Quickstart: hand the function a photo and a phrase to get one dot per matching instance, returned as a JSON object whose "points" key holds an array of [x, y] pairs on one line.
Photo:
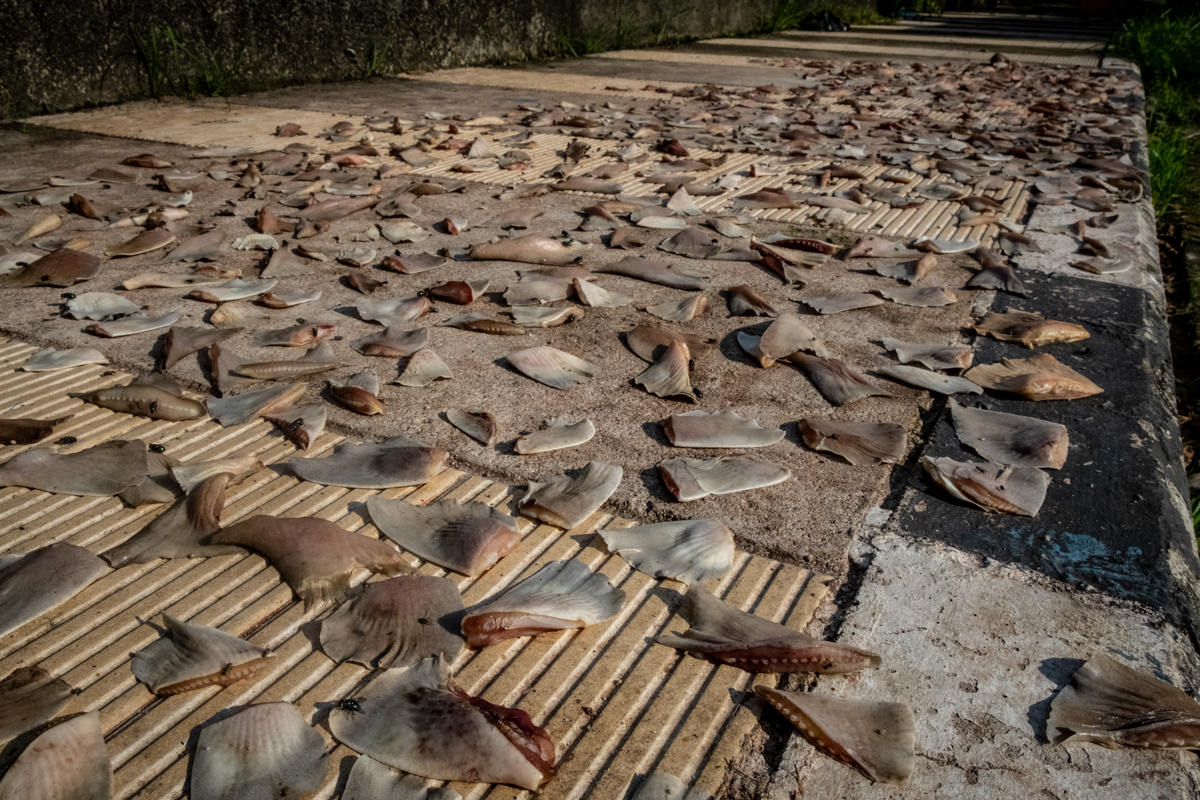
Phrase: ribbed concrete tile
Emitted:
{"points": [[615, 703]]}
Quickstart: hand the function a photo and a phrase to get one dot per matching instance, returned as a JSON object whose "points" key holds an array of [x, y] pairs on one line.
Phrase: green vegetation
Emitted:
{"points": [[1166, 46], [922, 7], [181, 69], [376, 59], [628, 31], [577, 45], [790, 13]]}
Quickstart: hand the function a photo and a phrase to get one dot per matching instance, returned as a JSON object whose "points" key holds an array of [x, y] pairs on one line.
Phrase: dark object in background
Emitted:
{"points": [[823, 21]]}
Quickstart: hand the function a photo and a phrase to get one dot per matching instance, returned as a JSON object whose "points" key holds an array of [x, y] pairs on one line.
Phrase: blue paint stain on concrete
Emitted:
{"points": [[1076, 546]]}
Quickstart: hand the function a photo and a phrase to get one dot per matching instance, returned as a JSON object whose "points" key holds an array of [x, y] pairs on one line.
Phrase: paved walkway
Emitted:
{"points": [[981, 618]]}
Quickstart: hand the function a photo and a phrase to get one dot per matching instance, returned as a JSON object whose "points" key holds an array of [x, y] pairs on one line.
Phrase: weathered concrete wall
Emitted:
{"points": [[57, 55]]}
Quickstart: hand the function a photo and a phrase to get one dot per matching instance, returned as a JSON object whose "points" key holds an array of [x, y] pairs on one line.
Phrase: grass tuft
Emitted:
{"points": [[376, 59], [790, 13], [1166, 46]]}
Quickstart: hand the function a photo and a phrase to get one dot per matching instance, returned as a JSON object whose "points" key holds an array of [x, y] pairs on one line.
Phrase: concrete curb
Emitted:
{"points": [[982, 618]]}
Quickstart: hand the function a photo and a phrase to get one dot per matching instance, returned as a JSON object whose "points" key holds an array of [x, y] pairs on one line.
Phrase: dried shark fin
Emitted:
{"points": [[920, 296], [482, 323], [182, 342], [68, 760], [595, 296], [372, 780], [1011, 438], [180, 531], [393, 313], [465, 537], [683, 550], [838, 302], [557, 435], [668, 377], [28, 431], [692, 243], [992, 487], [723, 634], [553, 367], [226, 369], [99, 306], [359, 393], [568, 502], [1115, 706], [649, 342], [929, 380], [195, 656], [1031, 330], [29, 698], [158, 486], [146, 400], [660, 272], [398, 461], [1042, 377], [531, 248], [238, 315], [424, 368], [318, 359], [63, 267], [190, 475], [417, 720], [694, 479], [997, 276], [243, 408], [562, 595], [859, 443], [476, 422], [718, 429], [144, 242], [396, 623], [46, 359], [261, 752], [392, 343], [931, 356], [133, 325], [910, 271], [296, 336], [785, 336], [877, 739], [301, 425], [683, 310], [42, 580], [105, 470], [316, 557], [837, 382], [744, 302], [872, 246]]}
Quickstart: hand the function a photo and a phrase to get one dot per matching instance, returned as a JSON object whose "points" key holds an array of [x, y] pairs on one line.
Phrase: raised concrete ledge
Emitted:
{"points": [[978, 648], [982, 618]]}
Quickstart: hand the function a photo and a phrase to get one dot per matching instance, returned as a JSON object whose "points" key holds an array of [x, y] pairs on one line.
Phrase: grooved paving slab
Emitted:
{"points": [[616, 704], [209, 123], [911, 49]]}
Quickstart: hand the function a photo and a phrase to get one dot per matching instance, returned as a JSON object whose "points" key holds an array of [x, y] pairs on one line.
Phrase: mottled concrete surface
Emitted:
{"points": [[980, 618], [60, 56]]}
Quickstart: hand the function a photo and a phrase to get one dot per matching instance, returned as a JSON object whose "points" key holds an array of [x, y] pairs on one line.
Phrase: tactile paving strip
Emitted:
{"points": [[908, 49], [616, 704], [208, 124]]}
